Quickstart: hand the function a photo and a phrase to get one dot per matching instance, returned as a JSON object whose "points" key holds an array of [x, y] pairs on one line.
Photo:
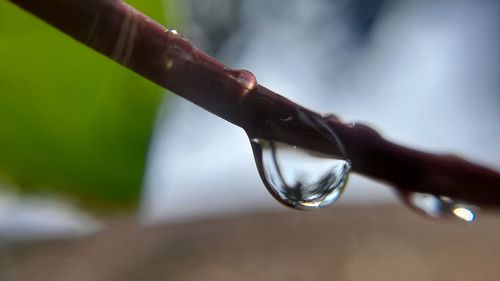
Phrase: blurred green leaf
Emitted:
{"points": [[71, 120]]}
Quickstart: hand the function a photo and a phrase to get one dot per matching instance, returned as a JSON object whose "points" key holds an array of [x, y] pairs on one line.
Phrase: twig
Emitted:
{"points": [[122, 33]]}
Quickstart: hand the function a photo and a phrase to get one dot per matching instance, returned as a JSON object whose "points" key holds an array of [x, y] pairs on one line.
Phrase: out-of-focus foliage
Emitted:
{"points": [[71, 120]]}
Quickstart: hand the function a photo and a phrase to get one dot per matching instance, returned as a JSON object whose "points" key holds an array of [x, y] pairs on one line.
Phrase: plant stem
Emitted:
{"points": [[120, 32]]}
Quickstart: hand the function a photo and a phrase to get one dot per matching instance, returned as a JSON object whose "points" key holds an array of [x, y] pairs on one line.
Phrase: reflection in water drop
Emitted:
{"points": [[300, 178], [297, 177], [440, 206]]}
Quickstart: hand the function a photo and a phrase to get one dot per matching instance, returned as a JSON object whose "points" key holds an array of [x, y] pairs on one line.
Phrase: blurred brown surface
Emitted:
{"points": [[376, 243]]}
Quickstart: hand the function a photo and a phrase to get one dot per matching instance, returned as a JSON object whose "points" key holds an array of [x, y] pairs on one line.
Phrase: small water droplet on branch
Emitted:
{"points": [[172, 31], [436, 206]]}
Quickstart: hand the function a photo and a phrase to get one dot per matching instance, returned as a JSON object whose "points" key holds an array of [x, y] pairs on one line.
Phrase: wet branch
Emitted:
{"points": [[127, 36]]}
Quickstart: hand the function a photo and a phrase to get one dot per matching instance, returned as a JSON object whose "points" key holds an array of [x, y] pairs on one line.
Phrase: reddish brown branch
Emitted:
{"points": [[135, 41]]}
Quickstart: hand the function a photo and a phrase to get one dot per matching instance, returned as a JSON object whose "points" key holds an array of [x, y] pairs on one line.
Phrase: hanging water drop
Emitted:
{"points": [[440, 206], [301, 178]]}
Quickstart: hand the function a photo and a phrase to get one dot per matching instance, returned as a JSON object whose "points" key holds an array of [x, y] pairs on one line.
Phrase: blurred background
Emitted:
{"points": [[105, 176]]}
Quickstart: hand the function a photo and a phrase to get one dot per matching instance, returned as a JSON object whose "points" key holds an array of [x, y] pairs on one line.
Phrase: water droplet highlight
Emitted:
{"points": [[465, 214], [301, 178], [170, 30], [436, 206]]}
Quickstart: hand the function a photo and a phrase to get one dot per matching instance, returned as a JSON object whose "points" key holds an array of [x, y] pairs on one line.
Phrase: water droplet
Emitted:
{"points": [[170, 30], [436, 206], [301, 178], [246, 79]]}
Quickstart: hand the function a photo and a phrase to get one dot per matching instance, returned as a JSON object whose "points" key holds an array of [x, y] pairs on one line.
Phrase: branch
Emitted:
{"points": [[130, 38]]}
